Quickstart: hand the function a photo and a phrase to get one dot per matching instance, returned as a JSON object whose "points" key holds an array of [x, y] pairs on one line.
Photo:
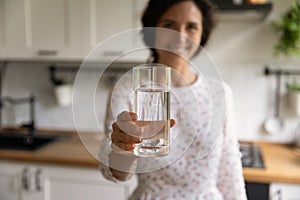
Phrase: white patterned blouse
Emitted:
{"points": [[204, 162]]}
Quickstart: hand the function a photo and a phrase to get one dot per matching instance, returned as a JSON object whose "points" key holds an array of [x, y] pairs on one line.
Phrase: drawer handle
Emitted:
{"points": [[112, 53], [38, 184], [24, 178], [45, 52], [279, 194]]}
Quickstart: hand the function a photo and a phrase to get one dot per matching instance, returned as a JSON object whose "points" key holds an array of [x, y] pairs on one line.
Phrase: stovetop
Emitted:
{"points": [[251, 156]]}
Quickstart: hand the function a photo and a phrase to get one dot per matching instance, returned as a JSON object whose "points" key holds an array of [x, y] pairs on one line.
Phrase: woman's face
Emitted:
{"points": [[185, 21]]}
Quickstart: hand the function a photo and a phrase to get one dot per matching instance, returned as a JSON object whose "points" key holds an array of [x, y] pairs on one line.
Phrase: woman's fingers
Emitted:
{"points": [[126, 121], [126, 131], [119, 136], [124, 146], [115, 127], [121, 140]]}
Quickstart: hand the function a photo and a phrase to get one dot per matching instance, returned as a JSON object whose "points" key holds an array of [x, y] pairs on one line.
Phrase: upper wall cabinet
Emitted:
{"points": [[107, 19], [64, 29], [40, 28], [110, 17], [12, 27]]}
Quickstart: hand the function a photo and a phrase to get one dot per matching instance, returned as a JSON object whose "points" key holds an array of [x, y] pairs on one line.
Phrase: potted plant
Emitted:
{"points": [[293, 89], [288, 28], [288, 44]]}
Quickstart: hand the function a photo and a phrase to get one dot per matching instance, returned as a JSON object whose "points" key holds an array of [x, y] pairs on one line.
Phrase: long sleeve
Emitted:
{"points": [[117, 103], [103, 166], [105, 150], [230, 178]]}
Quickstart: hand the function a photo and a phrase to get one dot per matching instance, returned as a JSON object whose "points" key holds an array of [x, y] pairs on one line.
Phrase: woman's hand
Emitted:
{"points": [[120, 139], [123, 164], [124, 139], [126, 132]]}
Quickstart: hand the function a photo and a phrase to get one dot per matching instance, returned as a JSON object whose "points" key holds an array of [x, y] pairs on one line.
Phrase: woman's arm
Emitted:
{"points": [[109, 155], [230, 179], [121, 162], [125, 162]]}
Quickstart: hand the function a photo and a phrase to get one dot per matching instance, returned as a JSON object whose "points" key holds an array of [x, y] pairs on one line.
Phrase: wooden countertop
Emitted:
{"points": [[68, 151], [281, 161], [282, 164]]}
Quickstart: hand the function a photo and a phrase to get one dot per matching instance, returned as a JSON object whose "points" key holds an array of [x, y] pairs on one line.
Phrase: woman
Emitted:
{"points": [[219, 174]]}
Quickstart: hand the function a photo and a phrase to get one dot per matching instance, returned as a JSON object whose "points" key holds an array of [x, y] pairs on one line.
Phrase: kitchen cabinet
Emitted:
{"points": [[108, 18], [12, 28], [284, 191], [110, 26], [10, 182], [65, 29], [40, 28], [24, 181]]}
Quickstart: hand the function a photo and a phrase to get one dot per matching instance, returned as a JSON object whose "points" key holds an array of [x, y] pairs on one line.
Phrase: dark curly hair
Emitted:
{"points": [[156, 8]]}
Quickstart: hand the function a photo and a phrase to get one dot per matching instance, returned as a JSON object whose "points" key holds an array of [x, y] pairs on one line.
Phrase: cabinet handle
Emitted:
{"points": [[46, 52], [279, 194], [38, 185], [112, 53], [24, 178]]}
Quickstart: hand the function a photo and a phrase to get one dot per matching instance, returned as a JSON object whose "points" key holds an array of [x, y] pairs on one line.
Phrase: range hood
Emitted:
{"points": [[228, 10]]}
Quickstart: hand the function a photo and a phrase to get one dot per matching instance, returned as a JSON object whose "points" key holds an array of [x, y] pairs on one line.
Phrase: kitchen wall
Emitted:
{"points": [[23, 79], [239, 48]]}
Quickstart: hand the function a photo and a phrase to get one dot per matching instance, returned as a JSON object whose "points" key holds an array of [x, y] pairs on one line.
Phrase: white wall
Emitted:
{"points": [[240, 49], [22, 79]]}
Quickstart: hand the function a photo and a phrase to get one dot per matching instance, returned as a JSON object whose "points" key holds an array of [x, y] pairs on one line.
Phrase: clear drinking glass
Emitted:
{"points": [[151, 84]]}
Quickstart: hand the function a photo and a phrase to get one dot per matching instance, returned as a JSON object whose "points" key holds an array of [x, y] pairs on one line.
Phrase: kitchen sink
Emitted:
{"points": [[23, 141], [251, 156]]}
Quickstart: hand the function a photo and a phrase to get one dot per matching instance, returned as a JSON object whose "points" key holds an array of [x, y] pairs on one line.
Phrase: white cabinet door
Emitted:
{"points": [[25, 181], [18, 182], [110, 23], [106, 19], [12, 28], [66, 28], [111, 17], [53, 27], [57, 26], [10, 186], [31, 26], [41, 28], [47, 24], [283, 191], [78, 184]]}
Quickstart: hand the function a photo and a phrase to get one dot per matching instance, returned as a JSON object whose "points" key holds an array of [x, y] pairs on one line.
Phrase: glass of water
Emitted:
{"points": [[151, 85]]}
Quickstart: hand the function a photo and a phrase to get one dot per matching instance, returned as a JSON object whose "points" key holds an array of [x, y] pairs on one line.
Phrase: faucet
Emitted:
{"points": [[31, 101]]}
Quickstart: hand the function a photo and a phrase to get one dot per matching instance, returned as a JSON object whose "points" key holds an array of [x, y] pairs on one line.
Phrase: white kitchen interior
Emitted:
{"points": [[241, 48]]}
